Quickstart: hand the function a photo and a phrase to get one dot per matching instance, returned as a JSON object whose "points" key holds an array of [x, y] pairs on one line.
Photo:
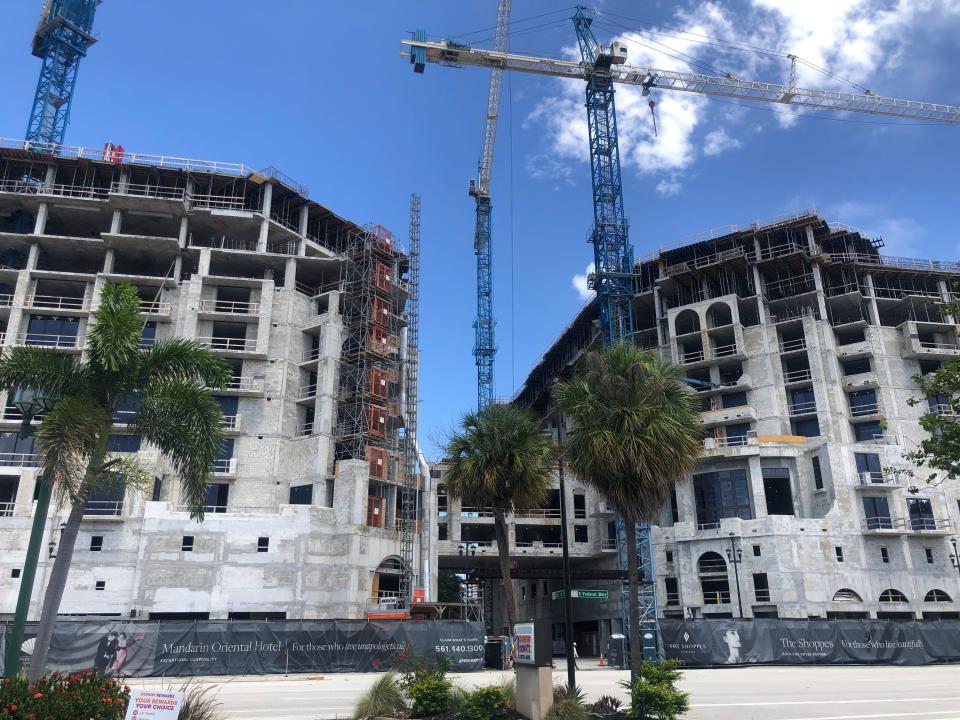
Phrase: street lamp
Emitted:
{"points": [[735, 556], [955, 557], [30, 402], [564, 540]]}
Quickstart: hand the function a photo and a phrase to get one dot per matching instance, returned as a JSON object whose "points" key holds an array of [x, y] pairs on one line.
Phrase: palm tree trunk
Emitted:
{"points": [[633, 603], [503, 550], [54, 593], [61, 566]]}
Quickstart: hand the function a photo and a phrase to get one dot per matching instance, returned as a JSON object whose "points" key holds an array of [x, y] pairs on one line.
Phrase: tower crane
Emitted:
{"points": [[602, 68], [62, 37]]}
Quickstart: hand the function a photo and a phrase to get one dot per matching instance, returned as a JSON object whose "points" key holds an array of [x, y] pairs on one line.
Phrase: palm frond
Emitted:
{"points": [[127, 467], [117, 329], [67, 437], [184, 422], [50, 371], [637, 427], [183, 359]]}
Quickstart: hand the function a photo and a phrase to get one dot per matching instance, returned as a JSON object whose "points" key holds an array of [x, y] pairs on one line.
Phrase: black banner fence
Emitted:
{"points": [[138, 649], [786, 642]]}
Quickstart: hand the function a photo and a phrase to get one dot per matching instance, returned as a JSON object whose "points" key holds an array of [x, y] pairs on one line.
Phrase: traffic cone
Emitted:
{"points": [[602, 663]]}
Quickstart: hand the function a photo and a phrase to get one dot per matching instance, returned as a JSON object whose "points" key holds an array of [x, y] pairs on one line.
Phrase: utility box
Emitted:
{"points": [[617, 651]]}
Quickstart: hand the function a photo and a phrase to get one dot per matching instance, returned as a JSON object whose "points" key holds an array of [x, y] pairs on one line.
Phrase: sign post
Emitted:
{"points": [[532, 663], [154, 705]]}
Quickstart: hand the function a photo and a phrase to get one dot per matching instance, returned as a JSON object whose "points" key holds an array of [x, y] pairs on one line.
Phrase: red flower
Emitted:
{"points": [[13, 707], [107, 700], [37, 696]]}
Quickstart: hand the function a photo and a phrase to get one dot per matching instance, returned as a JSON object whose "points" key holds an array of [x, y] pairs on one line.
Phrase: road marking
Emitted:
{"points": [[825, 702], [926, 713]]}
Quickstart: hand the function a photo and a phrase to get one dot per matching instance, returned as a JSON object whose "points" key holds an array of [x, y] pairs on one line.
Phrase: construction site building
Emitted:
{"points": [[304, 515], [802, 343]]}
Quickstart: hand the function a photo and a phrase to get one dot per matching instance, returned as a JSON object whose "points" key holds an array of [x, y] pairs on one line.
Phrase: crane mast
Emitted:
{"points": [[62, 37], [602, 69], [484, 349]]}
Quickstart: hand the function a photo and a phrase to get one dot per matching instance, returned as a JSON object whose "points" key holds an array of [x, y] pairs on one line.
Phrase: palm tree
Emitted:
{"points": [[636, 432], [500, 460], [174, 411]]}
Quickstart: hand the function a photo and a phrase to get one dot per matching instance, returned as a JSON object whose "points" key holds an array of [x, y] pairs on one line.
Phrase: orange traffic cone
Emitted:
{"points": [[602, 663]]}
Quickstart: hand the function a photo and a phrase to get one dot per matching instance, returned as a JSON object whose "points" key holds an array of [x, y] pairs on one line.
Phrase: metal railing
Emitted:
{"points": [[225, 466], [216, 202], [183, 507], [673, 599], [7, 508], [880, 523], [230, 422], [608, 545], [158, 192], [725, 350], [803, 408], [793, 376], [929, 345], [705, 260], [762, 595], [305, 429], [793, 345], [708, 526], [44, 340], [285, 222], [929, 524], [787, 248], [229, 344], [941, 408], [310, 355], [469, 511], [56, 302], [732, 441], [876, 477], [692, 357], [864, 409], [155, 308], [107, 508], [245, 384], [538, 513], [229, 307], [893, 261], [6, 300], [717, 597], [307, 392]]}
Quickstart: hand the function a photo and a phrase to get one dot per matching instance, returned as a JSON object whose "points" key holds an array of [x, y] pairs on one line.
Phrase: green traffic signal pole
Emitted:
{"points": [[11, 665]]}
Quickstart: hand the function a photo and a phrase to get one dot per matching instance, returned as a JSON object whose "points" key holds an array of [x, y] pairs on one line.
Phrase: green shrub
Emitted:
{"points": [[561, 692], [509, 687], [383, 698], [429, 694], [484, 703], [654, 694], [606, 705], [78, 695], [569, 708]]}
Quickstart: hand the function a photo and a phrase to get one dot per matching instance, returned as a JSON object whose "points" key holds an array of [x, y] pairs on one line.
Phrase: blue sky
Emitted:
{"points": [[319, 90]]}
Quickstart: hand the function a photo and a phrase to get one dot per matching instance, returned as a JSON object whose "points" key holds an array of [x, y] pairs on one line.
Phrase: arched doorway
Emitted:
{"points": [[385, 586], [714, 581]]}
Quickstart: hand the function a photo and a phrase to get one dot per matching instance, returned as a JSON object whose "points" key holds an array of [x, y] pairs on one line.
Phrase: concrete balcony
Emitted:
{"points": [[884, 525], [7, 508], [603, 509], [228, 307], [103, 509], [855, 350], [243, 385], [878, 481], [310, 357], [230, 423], [931, 526], [798, 377], [608, 545], [728, 416], [800, 409], [538, 514], [307, 392], [57, 304], [305, 429], [865, 411], [861, 381], [727, 351], [231, 345], [792, 346], [155, 309]]}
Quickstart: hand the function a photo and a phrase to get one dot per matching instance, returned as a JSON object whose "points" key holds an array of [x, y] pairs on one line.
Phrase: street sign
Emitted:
{"points": [[585, 594]]}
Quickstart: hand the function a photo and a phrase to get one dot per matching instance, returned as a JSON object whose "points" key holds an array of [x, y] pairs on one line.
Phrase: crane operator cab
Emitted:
{"points": [[616, 56]]}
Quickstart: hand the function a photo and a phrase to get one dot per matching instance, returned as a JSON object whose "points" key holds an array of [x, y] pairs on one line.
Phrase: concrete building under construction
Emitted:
{"points": [[802, 342], [315, 505]]}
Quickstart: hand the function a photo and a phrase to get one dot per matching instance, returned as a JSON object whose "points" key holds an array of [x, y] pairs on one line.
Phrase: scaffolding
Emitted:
{"points": [[411, 367]]}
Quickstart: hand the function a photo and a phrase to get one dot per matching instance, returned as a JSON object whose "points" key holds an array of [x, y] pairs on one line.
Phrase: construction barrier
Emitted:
{"points": [[261, 647], [739, 642]]}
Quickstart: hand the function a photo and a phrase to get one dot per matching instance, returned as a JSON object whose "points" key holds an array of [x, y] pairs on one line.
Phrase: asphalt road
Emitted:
{"points": [[746, 693]]}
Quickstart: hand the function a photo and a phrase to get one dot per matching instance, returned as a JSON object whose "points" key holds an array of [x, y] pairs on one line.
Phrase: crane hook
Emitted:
{"points": [[652, 105]]}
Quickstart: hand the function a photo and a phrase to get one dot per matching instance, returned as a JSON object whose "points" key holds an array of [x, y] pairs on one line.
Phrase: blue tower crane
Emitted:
{"points": [[62, 38], [613, 276]]}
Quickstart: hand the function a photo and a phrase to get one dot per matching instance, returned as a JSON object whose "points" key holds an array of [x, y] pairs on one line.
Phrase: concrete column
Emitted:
{"points": [[108, 261], [40, 225], [758, 285], [265, 225], [290, 274], [51, 175], [204, 266], [818, 283], [756, 488], [183, 236], [872, 302], [33, 257], [15, 319], [115, 222], [304, 218], [811, 242], [124, 180]]}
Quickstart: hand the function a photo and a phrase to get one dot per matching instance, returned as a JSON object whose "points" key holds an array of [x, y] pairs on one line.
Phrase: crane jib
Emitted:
{"points": [[751, 90]]}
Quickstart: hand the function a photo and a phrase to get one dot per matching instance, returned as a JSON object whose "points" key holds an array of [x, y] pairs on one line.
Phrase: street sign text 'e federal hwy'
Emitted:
{"points": [[585, 594]]}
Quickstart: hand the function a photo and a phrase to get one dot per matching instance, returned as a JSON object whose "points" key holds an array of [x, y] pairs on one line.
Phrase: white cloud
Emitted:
{"points": [[579, 283], [668, 188], [717, 141], [901, 235], [864, 41]]}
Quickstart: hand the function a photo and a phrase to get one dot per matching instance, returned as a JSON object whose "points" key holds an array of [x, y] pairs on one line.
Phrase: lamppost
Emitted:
{"points": [[29, 402], [567, 590], [735, 556], [955, 557]]}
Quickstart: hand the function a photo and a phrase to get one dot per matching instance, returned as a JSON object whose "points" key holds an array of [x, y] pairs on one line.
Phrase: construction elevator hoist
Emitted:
{"points": [[602, 69]]}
